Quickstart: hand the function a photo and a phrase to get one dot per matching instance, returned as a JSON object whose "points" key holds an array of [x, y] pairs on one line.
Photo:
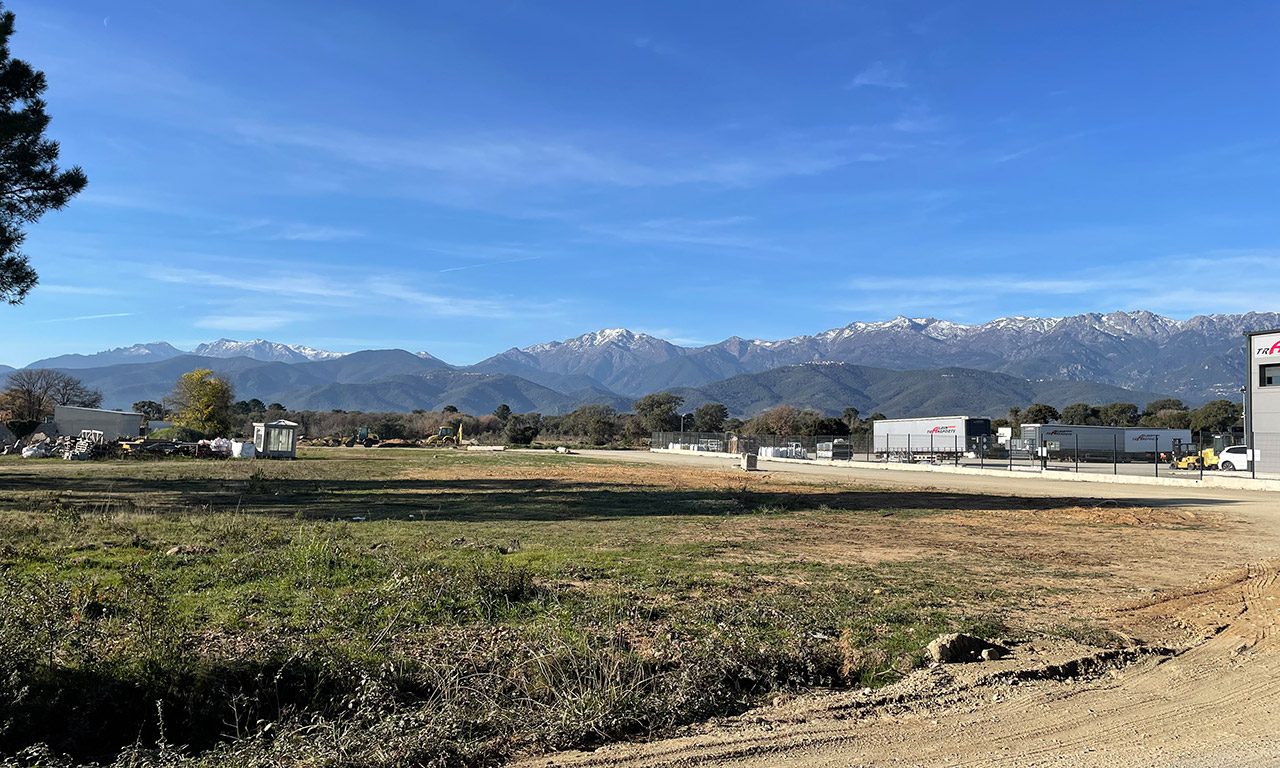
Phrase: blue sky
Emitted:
{"points": [[463, 177]]}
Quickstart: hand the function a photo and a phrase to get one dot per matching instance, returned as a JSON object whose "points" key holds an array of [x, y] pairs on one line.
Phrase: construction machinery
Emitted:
{"points": [[1206, 459], [450, 436]]}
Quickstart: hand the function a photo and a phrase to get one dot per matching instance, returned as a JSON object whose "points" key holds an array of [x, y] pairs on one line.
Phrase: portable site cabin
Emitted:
{"points": [[71, 420], [276, 439]]}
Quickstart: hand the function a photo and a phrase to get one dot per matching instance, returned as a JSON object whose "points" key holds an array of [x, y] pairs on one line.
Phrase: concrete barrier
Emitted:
{"points": [[1218, 480]]}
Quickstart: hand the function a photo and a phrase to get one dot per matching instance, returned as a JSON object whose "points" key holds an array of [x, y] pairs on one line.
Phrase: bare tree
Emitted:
{"points": [[32, 393], [68, 390]]}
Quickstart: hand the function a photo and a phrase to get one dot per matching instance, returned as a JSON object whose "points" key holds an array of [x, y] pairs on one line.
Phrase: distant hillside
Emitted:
{"points": [[475, 393], [138, 353], [832, 387], [123, 385]]}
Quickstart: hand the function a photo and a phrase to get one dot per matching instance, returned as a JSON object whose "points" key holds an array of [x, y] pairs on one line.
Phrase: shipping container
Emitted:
{"points": [[1093, 443], [932, 436]]}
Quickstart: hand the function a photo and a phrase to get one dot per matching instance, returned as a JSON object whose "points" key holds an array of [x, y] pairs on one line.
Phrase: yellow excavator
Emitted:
{"points": [[451, 436]]}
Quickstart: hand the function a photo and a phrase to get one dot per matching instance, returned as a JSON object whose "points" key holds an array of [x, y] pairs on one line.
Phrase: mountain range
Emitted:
{"points": [[1197, 359], [901, 367], [258, 349]]}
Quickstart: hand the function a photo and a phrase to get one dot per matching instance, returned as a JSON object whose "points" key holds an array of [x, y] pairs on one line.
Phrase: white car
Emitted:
{"points": [[1235, 457]]}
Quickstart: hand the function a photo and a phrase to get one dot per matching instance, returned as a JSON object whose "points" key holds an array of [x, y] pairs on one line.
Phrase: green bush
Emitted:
{"points": [[180, 434]]}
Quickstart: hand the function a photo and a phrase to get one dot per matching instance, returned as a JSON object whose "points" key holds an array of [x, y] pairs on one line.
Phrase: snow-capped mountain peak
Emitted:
{"points": [[138, 353], [261, 349], [619, 337]]}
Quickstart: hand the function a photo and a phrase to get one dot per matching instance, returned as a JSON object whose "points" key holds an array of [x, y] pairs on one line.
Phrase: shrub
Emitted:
{"points": [[181, 434]]}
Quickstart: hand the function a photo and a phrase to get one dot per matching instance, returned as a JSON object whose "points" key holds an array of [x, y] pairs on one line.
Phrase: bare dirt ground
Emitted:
{"points": [[1198, 686]]}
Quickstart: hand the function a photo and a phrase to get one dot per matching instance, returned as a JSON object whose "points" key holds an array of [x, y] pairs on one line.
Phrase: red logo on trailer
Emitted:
{"points": [[942, 430], [1274, 349]]}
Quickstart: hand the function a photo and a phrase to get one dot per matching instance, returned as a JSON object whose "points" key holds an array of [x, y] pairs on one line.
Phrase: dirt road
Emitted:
{"points": [[1202, 690]]}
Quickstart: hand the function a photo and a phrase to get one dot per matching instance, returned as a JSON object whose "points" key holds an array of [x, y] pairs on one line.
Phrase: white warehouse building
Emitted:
{"points": [[71, 420], [1262, 400]]}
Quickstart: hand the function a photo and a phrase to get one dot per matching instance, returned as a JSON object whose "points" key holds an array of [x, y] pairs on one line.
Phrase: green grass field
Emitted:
{"points": [[378, 608]]}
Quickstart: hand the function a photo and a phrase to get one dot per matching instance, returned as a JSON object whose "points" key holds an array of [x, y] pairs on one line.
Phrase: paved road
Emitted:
{"points": [[1261, 506]]}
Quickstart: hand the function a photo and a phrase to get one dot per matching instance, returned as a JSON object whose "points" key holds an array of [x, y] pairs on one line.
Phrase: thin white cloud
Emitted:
{"points": [[490, 264], [78, 290], [654, 46], [878, 75], [515, 161], [674, 336], [917, 119], [438, 304], [284, 284], [315, 234], [234, 321], [1031, 149], [86, 317], [716, 234]]}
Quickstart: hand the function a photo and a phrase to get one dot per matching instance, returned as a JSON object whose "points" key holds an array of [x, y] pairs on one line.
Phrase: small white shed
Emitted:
{"points": [[276, 439]]}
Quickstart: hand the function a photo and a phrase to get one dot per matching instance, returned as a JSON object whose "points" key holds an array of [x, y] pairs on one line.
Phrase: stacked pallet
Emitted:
{"points": [[79, 448]]}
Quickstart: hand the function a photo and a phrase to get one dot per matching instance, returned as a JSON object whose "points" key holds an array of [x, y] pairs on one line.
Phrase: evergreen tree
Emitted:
{"points": [[657, 412], [710, 417], [31, 184]]}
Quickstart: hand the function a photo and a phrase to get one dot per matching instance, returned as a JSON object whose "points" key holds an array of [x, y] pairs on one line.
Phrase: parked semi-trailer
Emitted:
{"points": [[933, 436], [1099, 443]]}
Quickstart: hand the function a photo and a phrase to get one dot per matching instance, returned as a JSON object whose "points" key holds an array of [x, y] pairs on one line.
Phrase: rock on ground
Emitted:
{"points": [[958, 647]]}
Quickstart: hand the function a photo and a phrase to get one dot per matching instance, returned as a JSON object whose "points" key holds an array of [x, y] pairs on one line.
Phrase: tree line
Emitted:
{"points": [[202, 403], [1166, 413], [30, 395], [661, 413]]}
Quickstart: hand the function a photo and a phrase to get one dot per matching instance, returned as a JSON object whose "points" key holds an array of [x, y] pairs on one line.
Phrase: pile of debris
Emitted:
{"points": [[91, 444], [82, 447], [217, 448]]}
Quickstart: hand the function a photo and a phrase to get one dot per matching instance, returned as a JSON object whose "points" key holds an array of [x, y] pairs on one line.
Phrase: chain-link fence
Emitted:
{"points": [[1205, 453]]}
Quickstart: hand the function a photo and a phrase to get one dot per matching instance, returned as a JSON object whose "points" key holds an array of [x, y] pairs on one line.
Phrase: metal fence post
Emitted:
{"points": [[1157, 455], [956, 440], [1077, 437], [1115, 459], [909, 460]]}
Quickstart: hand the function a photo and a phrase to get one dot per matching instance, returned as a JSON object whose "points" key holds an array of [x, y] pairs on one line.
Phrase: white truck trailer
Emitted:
{"points": [[1092, 443], [929, 438]]}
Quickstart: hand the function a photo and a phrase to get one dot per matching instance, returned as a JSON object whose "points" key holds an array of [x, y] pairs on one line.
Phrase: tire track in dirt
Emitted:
{"points": [[1215, 703]]}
